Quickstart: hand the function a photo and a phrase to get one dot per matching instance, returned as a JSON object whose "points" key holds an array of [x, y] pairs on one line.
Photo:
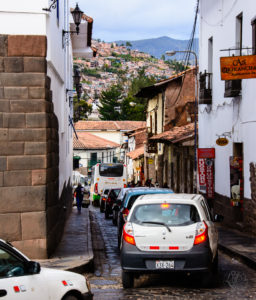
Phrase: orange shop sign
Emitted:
{"points": [[238, 67]]}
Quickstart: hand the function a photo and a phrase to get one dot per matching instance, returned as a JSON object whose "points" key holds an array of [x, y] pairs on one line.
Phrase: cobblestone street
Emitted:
{"points": [[235, 280]]}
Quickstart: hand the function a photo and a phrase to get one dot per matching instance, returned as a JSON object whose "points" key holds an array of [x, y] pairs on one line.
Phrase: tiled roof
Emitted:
{"points": [[136, 153], [109, 125], [176, 134], [87, 140]]}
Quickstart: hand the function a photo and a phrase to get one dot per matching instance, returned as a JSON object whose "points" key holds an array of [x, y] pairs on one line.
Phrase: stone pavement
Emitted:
{"points": [[238, 244], [74, 252]]}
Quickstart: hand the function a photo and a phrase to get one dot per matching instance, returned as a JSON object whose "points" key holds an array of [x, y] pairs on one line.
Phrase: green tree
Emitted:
{"points": [[134, 108], [163, 57], [128, 44], [177, 66], [81, 109], [109, 103]]}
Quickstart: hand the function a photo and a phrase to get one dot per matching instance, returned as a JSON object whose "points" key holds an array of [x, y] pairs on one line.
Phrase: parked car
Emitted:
{"points": [[128, 201], [118, 203], [103, 198], [169, 233], [111, 198], [21, 278]]}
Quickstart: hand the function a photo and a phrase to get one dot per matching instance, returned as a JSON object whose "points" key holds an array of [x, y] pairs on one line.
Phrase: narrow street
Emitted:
{"points": [[235, 280]]}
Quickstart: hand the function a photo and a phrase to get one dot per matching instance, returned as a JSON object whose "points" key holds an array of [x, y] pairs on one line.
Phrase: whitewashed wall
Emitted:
{"points": [[236, 115], [26, 17]]}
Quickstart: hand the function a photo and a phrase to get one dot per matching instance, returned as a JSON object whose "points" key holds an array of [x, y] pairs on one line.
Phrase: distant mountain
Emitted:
{"points": [[158, 46]]}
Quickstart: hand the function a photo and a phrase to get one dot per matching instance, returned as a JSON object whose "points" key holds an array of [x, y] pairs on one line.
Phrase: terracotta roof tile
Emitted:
{"points": [[136, 153], [109, 125], [176, 134], [87, 140]]}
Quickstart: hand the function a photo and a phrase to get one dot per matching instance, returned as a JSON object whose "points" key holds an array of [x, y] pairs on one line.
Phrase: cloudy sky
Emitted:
{"points": [[139, 19]]}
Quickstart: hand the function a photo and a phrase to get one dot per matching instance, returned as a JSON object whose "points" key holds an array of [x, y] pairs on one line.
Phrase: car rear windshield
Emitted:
{"points": [[114, 193], [169, 214], [111, 170], [131, 200]]}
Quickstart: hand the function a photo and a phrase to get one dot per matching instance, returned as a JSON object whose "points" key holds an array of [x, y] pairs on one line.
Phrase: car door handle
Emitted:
{"points": [[3, 293]]}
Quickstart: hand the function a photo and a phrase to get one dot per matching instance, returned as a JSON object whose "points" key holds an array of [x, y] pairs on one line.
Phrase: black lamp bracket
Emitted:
{"points": [[66, 37], [52, 6]]}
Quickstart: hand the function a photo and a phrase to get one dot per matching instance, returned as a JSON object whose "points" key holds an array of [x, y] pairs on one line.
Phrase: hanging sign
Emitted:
{"points": [[222, 141], [238, 67]]}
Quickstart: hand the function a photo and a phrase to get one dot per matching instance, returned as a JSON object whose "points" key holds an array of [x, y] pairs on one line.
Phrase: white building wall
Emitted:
{"points": [[235, 115], [26, 17]]}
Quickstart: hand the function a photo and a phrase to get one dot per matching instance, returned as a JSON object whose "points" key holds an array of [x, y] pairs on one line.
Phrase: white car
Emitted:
{"points": [[169, 233], [23, 279]]}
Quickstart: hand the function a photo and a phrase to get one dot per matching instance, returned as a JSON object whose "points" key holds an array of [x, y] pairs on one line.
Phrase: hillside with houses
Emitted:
{"points": [[113, 64]]}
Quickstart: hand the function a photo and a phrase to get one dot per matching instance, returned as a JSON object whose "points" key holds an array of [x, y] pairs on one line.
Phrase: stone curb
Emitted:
{"points": [[231, 252]]}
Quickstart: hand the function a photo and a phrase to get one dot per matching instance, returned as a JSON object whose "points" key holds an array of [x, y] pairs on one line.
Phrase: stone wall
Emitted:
{"points": [[240, 218], [31, 213]]}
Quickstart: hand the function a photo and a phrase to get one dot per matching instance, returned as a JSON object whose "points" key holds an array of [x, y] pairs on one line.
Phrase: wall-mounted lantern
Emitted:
{"points": [[77, 16]]}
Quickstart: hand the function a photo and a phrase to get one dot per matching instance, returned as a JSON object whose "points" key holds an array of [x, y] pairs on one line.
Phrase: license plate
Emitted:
{"points": [[165, 264]]}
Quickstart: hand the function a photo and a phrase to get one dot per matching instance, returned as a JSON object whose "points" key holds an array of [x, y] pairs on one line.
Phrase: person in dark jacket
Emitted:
{"points": [[79, 197]]}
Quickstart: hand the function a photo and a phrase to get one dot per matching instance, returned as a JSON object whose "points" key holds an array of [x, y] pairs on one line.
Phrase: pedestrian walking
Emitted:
{"points": [[79, 197]]}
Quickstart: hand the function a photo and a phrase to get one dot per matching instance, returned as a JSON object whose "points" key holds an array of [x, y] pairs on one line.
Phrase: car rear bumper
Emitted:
{"points": [[197, 259]]}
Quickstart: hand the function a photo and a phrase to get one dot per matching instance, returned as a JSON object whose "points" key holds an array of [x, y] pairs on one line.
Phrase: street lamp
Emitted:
{"points": [[172, 53]]}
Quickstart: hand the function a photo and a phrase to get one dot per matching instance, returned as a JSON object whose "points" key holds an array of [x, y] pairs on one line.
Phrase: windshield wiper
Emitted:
{"points": [[157, 223]]}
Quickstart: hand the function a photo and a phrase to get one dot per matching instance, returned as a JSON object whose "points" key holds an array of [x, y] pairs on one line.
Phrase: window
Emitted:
{"points": [[254, 36], [94, 157], [111, 170], [239, 34], [210, 54], [170, 214], [10, 265], [155, 122]]}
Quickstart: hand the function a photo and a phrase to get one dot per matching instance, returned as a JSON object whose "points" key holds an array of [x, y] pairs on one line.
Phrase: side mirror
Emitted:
{"points": [[33, 267], [218, 218]]}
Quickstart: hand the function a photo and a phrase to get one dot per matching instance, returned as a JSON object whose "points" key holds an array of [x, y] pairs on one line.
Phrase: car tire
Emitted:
{"points": [[70, 297], [127, 280], [102, 207]]}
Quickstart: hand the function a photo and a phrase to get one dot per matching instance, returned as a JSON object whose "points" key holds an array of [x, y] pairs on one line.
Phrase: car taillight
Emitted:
{"points": [[109, 200], [103, 199], [128, 234], [125, 185], [201, 233], [125, 212], [96, 188]]}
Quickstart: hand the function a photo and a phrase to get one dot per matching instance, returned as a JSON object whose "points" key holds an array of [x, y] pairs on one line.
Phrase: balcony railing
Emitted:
{"points": [[232, 88], [205, 89]]}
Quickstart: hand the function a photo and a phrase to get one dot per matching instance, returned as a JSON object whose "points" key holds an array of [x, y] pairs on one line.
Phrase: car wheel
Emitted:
{"points": [[102, 206], [114, 221], [70, 297], [127, 280]]}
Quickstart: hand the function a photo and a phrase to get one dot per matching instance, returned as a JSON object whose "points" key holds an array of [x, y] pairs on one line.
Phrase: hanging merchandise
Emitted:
{"points": [[206, 171], [236, 181]]}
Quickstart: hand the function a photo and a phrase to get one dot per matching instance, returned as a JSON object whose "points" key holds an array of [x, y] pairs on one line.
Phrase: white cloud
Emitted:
{"points": [[139, 19]]}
